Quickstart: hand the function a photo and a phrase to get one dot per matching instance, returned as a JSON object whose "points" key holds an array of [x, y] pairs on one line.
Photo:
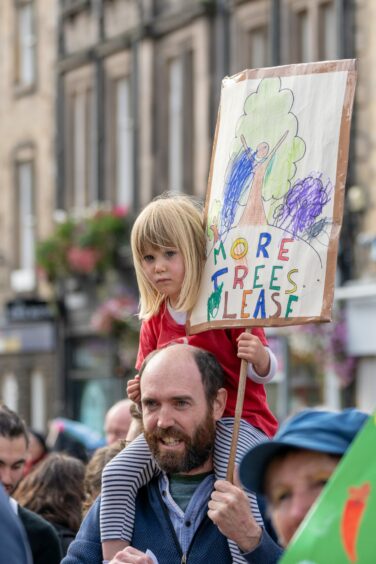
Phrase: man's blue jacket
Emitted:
{"points": [[87, 548], [14, 547], [152, 529]]}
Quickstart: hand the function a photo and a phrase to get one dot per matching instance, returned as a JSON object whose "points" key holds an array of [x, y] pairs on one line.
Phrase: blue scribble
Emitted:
{"points": [[302, 205], [245, 169], [239, 176], [317, 228]]}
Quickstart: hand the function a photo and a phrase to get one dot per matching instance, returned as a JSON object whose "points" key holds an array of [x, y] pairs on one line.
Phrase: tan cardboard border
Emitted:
{"points": [[348, 65]]}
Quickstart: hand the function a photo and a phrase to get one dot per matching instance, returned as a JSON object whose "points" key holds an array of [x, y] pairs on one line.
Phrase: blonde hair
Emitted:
{"points": [[170, 220]]}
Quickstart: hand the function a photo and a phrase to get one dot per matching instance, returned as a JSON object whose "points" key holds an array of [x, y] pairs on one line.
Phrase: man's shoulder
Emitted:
{"points": [[43, 539], [14, 547], [35, 523], [87, 546]]}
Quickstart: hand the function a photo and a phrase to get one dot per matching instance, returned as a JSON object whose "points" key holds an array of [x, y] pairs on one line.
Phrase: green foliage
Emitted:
{"points": [[277, 104], [85, 246]]}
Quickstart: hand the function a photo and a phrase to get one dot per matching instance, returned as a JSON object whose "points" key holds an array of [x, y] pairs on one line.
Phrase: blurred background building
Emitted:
{"points": [[107, 103], [28, 376]]}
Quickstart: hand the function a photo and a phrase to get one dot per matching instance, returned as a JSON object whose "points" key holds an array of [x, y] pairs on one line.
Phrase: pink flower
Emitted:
{"points": [[114, 314], [120, 211], [101, 322], [83, 260]]}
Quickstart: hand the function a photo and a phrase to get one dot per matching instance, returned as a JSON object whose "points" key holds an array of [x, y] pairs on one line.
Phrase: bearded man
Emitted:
{"points": [[183, 399]]}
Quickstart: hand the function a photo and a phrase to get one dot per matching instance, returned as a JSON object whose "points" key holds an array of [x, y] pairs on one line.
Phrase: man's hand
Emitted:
{"points": [[131, 555], [134, 389], [229, 509]]}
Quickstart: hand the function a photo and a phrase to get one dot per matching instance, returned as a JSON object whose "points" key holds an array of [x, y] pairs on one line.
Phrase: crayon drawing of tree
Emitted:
{"points": [[263, 157]]}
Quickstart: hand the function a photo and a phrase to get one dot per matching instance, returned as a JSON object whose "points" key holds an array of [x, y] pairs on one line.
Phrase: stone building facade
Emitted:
{"points": [[124, 107], [359, 294], [139, 85], [27, 184]]}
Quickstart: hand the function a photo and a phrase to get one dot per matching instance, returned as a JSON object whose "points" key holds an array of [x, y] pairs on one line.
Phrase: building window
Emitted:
{"points": [[302, 37], [25, 216], [38, 401], [10, 393], [312, 31], [25, 44], [80, 196], [251, 42], [124, 143], [119, 159], [258, 48], [84, 188], [180, 127], [180, 140], [327, 30], [175, 125], [80, 140]]}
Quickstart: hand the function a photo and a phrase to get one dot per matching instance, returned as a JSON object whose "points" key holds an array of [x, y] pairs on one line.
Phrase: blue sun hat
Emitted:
{"points": [[312, 429]]}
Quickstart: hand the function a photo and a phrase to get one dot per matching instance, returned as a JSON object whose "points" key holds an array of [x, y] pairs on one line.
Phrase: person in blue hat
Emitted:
{"points": [[290, 470]]}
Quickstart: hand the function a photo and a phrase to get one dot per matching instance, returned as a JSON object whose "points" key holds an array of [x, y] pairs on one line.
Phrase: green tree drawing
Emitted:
{"points": [[267, 116]]}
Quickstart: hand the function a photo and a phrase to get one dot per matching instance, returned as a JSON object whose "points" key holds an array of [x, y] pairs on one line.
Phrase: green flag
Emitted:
{"points": [[340, 528]]}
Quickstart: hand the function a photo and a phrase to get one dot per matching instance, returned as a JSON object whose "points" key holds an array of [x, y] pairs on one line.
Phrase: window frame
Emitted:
{"points": [[117, 68], [250, 17], [24, 155], [22, 88], [289, 29], [80, 82]]}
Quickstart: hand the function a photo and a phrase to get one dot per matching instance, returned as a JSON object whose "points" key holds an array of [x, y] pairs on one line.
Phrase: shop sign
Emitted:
{"points": [[28, 311]]}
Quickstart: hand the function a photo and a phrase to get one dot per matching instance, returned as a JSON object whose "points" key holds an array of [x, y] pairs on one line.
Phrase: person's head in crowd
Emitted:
{"points": [[42, 537], [117, 421], [179, 417], [54, 490], [170, 221], [94, 469], [292, 469], [14, 441], [37, 451]]}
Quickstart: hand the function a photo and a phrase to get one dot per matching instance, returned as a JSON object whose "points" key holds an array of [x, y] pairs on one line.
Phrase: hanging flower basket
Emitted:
{"points": [[117, 318], [86, 246]]}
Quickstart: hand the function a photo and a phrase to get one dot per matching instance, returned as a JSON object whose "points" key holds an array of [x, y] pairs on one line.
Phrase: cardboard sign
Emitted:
{"points": [[340, 528], [275, 196]]}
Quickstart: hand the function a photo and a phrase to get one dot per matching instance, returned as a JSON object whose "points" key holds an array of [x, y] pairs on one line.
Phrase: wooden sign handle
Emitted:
{"points": [[238, 416]]}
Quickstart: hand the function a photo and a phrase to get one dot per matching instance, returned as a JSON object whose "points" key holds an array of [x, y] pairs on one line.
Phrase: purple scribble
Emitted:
{"points": [[302, 204]]}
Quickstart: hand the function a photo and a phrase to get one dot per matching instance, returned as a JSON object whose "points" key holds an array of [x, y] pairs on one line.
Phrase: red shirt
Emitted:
{"points": [[162, 329]]}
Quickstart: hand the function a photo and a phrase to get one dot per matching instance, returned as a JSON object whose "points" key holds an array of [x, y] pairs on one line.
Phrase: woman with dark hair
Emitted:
{"points": [[54, 490]]}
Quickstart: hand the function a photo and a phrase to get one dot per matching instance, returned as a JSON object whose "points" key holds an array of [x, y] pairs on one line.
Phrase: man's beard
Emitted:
{"points": [[197, 451]]}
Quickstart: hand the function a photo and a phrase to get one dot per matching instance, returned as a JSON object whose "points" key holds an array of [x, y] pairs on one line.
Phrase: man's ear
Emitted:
{"points": [[219, 404]]}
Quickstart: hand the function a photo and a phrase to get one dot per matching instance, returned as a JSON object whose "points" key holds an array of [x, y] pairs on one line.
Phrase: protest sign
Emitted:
{"points": [[275, 196], [340, 526]]}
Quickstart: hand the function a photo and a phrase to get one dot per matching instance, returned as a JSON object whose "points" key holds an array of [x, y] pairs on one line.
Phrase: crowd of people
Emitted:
{"points": [[158, 493]]}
